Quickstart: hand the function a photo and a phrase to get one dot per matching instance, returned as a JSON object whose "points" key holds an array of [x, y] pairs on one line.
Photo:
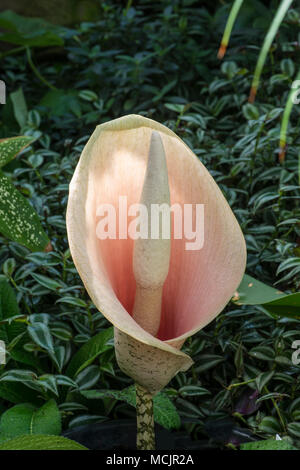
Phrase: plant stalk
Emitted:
{"points": [[36, 72], [144, 419]]}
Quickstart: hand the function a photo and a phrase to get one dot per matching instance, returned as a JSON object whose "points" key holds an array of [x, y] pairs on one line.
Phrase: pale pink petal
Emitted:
{"points": [[200, 283]]}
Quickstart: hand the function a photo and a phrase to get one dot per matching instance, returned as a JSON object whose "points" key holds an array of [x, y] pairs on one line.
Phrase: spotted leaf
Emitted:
{"points": [[18, 219], [9, 148]]}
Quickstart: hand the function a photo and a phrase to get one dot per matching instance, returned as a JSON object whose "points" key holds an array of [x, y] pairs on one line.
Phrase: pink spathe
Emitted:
{"points": [[200, 282]]}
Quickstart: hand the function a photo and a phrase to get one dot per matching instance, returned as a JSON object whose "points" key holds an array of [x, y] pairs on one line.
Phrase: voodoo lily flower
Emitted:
{"points": [[156, 292]]}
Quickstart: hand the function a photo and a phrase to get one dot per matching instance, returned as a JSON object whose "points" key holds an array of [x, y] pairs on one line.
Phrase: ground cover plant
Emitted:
{"points": [[160, 61]]}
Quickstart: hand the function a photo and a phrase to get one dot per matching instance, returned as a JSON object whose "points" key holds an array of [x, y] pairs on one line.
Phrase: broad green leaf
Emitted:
{"points": [[19, 106], [164, 410], [89, 352], [46, 420], [9, 148], [25, 357], [18, 219], [268, 444], [16, 421], [18, 393], [26, 419], [32, 32], [41, 442], [61, 102], [253, 292]]}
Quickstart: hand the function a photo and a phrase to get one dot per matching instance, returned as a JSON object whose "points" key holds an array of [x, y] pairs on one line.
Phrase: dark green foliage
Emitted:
{"points": [[157, 59]]}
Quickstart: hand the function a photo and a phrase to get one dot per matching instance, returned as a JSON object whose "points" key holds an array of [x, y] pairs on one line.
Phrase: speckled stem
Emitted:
{"points": [[144, 418]]}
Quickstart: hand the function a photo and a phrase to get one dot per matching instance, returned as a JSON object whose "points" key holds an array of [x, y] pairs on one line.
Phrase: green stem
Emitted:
{"points": [[12, 51], [277, 409], [228, 28], [278, 18], [144, 419], [240, 383], [36, 72]]}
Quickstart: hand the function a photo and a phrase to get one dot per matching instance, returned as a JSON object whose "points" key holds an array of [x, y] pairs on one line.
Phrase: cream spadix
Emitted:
{"points": [[151, 256], [199, 283]]}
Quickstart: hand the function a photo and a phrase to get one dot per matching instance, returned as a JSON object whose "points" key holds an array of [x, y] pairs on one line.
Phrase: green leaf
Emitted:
{"points": [[250, 111], [72, 301], [207, 361], [88, 95], [47, 419], [268, 444], [26, 419], [61, 102], [18, 219], [164, 410], [19, 107], [41, 442], [18, 393], [294, 429], [287, 67], [253, 292], [193, 391], [264, 353], [8, 309], [48, 382], [263, 379], [26, 377], [9, 148], [270, 425], [177, 108], [33, 32], [47, 282], [164, 90], [89, 352], [88, 377], [41, 335], [25, 357], [16, 421]]}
